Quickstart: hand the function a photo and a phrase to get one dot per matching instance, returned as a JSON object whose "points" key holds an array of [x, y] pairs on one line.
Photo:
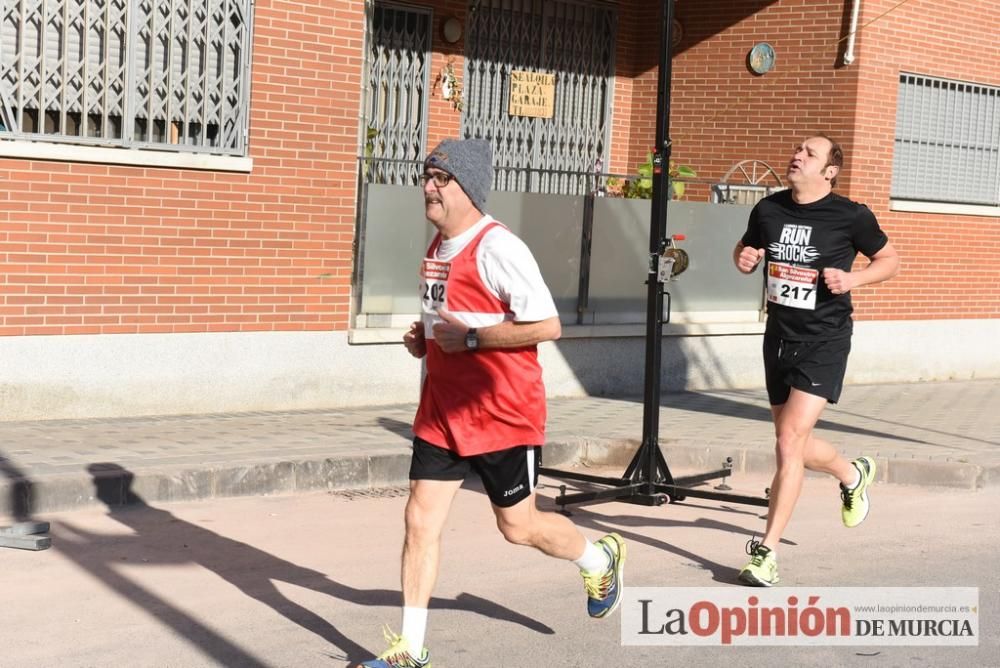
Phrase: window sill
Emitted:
{"points": [[121, 156], [381, 335], [915, 206]]}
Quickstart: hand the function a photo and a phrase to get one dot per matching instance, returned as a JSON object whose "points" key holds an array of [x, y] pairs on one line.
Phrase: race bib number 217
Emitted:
{"points": [[793, 286]]}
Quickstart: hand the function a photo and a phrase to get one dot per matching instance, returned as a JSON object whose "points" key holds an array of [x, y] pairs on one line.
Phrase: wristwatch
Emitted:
{"points": [[471, 339]]}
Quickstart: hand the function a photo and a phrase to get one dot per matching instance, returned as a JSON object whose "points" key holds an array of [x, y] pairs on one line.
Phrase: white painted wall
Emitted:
{"points": [[48, 377]]}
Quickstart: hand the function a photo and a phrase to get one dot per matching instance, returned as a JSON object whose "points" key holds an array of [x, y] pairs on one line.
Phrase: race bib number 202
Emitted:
{"points": [[793, 286], [433, 283]]}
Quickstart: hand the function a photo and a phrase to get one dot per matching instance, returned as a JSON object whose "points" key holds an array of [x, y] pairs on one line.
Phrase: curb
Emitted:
{"points": [[110, 485], [895, 470]]}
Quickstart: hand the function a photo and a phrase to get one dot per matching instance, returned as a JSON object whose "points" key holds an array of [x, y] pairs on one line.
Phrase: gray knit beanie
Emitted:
{"points": [[470, 161]]}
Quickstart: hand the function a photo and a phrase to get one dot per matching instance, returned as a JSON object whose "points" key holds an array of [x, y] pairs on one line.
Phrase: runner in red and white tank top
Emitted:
{"points": [[484, 400], [485, 308]]}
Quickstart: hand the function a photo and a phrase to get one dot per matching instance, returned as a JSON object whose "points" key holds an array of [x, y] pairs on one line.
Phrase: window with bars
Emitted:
{"points": [[575, 41], [399, 47], [947, 143], [169, 75]]}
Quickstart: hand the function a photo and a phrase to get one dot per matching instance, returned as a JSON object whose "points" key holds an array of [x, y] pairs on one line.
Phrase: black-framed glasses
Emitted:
{"points": [[440, 179]]}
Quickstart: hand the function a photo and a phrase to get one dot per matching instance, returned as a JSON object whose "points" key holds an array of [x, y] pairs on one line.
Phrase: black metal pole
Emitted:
{"points": [[657, 240], [586, 242], [647, 479]]}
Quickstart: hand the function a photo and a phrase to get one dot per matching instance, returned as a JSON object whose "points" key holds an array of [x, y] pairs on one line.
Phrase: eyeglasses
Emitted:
{"points": [[440, 179]]}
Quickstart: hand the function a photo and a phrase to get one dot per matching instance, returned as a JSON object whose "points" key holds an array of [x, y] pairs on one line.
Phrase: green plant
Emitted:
{"points": [[642, 187], [371, 134], [615, 187], [451, 87], [682, 172]]}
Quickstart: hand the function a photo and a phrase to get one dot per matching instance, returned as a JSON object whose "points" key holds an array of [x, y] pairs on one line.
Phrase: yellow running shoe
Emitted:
{"points": [[762, 571], [398, 655], [856, 506], [604, 588]]}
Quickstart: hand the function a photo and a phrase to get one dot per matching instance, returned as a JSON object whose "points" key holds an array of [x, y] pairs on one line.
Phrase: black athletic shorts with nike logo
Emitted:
{"points": [[816, 367]]}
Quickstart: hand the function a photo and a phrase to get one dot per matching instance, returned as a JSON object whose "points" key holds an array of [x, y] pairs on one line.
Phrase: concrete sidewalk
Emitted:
{"points": [[945, 433]]}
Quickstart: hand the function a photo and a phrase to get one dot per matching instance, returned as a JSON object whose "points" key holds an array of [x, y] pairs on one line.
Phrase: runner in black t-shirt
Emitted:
{"points": [[808, 238]]}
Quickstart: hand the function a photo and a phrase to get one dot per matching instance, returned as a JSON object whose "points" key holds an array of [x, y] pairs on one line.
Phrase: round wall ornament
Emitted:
{"points": [[761, 58], [451, 30]]}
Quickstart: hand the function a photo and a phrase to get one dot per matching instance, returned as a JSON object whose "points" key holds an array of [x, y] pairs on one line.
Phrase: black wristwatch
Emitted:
{"points": [[471, 339]]}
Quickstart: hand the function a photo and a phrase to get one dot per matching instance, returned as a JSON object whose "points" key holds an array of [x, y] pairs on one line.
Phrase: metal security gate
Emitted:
{"points": [[947, 143], [575, 41], [172, 75], [398, 83]]}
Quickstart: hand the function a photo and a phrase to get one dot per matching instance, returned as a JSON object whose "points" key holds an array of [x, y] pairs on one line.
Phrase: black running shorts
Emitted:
{"points": [[816, 367], [509, 476]]}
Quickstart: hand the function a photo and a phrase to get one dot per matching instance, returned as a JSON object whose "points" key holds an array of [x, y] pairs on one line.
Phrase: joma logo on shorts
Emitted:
{"points": [[511, 492]]}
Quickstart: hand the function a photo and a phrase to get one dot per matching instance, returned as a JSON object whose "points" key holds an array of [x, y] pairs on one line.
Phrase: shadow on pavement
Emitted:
{"points": [[398, 427], [622, 522], [161, 538], [21, 490], [627, 526], [715, 405]]}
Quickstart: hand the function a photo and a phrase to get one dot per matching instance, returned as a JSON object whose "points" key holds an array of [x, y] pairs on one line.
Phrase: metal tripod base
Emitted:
{"points": [[647, 493], [649, 487]]}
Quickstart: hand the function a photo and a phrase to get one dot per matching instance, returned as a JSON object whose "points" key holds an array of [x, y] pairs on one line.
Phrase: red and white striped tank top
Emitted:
{"points": [[474, 402]]}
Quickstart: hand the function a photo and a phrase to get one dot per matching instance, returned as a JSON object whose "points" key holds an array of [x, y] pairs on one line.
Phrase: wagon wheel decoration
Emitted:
{"points": [[754, 173]]}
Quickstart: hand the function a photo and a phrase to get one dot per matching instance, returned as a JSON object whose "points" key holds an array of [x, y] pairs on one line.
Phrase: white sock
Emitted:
{"points": [[414, 629], [593, 559], [857, 477]]}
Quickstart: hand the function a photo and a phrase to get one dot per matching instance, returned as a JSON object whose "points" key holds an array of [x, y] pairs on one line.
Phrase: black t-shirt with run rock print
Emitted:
{"points": [[801, 240]]}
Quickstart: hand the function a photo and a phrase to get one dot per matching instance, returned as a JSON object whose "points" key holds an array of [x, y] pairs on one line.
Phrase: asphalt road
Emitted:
{"points": [[308, 580]]}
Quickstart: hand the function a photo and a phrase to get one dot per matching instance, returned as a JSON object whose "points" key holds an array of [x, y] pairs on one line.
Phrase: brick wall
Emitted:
{"points": [[722, 113], [444, 120], [951, 264], [108, 249], [89, 248], [636, 61]]}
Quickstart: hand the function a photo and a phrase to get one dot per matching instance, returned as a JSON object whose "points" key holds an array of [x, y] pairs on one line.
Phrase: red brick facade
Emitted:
{"points": [[951, 263], [90, 248], [722, 114]]}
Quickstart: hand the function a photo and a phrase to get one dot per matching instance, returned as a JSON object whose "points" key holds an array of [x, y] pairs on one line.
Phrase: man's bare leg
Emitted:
{"points": [[552, 533], [426, 512], [600, 564], [425, 516], [793, 425]]}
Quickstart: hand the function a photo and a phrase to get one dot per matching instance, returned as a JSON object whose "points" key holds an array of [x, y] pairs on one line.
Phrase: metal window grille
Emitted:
{"points": [[396, 100], [947, 146], [166, 74], [573, 39]]}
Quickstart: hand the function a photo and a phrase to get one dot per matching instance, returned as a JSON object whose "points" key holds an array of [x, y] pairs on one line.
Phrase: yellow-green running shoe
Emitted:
{"points": [[856, 506], [398, 655], [762, 571], [604, 588]]}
